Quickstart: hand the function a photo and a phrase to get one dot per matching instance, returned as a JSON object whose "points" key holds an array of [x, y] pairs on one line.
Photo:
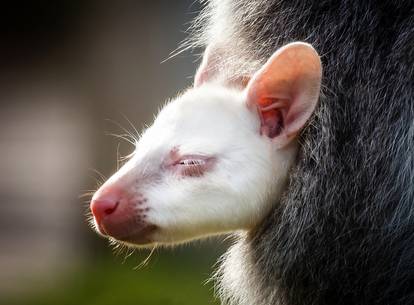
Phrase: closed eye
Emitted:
{"points": [[194, 166], [192, 162]]}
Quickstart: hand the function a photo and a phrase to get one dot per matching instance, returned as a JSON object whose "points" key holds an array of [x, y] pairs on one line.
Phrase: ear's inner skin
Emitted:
{"points": [[271, 116]]}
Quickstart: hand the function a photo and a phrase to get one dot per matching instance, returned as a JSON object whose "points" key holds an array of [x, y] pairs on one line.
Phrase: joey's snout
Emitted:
{"points": [[104, 206], [121, 215]]}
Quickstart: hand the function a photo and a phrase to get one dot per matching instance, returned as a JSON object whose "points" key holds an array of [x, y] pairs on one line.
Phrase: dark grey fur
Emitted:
{"points": [[344, 233]]}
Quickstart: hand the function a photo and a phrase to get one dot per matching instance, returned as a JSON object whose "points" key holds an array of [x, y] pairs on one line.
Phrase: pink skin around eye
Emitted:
{"points": [[189, 165]]}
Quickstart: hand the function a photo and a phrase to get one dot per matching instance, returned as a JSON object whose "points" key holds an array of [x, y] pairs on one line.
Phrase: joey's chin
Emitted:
{"points": [[129, 232], [143, 237]]}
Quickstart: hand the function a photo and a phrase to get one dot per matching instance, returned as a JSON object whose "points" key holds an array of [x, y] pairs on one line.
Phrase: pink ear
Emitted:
{"points": [[209, 66], [285, 91]]}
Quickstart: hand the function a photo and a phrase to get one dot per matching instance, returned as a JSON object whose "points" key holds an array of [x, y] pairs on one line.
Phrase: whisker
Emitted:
{"points": [[146, 260], [128, 132], [87, 194], [136, 135], [126, 137], [117, 156], [127, 157], [100, 176], [128, 253]]}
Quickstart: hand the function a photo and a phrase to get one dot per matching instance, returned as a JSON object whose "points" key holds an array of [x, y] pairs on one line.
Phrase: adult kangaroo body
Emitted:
{"points": [[344, 231]]}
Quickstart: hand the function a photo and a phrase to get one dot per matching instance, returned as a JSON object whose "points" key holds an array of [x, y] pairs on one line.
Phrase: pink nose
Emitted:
{"points": [[104, 206]]}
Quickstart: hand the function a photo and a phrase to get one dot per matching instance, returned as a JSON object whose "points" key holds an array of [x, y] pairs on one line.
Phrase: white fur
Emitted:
{"points": [[215, 121]]}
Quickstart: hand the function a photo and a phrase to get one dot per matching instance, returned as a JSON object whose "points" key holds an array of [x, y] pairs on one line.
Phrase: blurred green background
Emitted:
{"points": [[179, 277], [70, 73]]}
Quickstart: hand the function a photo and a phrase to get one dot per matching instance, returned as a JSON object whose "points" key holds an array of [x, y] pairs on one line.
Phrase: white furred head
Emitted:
{"points": [[216, 158]]}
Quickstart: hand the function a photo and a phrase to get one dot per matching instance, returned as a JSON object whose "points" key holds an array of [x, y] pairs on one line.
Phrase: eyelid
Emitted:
{"points": [[197, 159], [192, 161], [194, 165]]}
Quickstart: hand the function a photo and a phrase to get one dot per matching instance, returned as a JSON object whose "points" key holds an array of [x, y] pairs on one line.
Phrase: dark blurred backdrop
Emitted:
{"points": [[70, 71]]}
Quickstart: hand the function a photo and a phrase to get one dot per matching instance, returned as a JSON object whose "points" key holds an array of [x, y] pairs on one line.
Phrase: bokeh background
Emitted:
{"points": [[71, 72]]}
